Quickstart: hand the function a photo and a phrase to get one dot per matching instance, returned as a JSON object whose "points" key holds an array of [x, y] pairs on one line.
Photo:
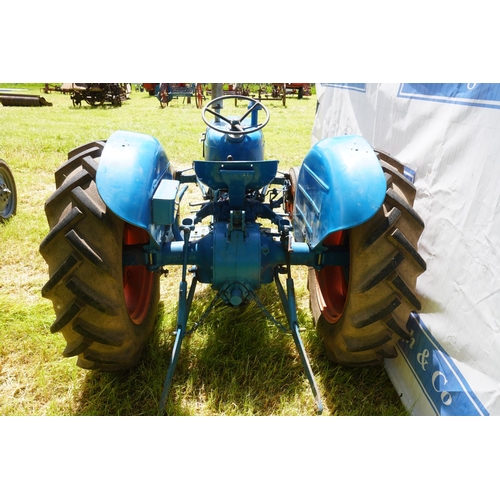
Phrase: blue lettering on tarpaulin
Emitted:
{"points": [[485, 95], [359, 87], [410, 174], [439, 378]]}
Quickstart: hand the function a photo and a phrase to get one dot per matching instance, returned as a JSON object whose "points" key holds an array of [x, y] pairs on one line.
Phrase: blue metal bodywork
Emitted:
{"points": [[130, 170], [341, 185], [221, 144], [238, 177], [218, 146]]}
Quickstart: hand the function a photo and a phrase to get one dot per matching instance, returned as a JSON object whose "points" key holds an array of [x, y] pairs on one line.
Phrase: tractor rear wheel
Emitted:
{"points": [[361, 311], [106, 312]]}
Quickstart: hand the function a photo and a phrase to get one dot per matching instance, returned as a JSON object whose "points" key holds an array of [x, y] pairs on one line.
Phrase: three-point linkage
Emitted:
{"points": [[287, 299]]}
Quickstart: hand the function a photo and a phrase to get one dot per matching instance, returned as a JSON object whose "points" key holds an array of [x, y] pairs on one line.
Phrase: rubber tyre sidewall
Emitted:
{"points": [[88, 298], [376, 311]]}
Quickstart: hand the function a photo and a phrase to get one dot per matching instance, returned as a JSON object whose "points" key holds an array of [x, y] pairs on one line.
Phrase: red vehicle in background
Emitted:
{"points": [[150, 87]]}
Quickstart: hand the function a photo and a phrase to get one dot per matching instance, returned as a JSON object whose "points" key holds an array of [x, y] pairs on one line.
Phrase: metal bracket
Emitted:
{"points": [[289, 304], [236, 222], [185, 301], [287, 299], [290, 307]]}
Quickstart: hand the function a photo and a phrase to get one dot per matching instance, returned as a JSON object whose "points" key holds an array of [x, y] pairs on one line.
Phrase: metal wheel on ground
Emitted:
{"points": [[8, 192], [163, 96]]}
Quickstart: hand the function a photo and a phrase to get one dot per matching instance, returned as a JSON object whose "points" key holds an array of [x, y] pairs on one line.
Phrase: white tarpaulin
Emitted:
{"points": [[449, 137]]}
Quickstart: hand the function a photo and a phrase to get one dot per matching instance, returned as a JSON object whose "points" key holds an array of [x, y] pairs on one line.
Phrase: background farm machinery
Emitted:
{"points": [[168, 91], [115, 228], [19, 99], [280, 91], [97, 94], [165, 92]]}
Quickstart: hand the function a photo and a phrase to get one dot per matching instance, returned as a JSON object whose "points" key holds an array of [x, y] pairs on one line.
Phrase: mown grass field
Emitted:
{"points": [[236, 363]]}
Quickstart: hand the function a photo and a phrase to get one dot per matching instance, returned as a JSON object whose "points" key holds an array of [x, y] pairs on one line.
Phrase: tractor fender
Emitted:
{"points": [[130, 170], [340, 185]]}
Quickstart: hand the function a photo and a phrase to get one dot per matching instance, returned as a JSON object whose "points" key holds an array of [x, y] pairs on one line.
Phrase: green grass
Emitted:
{"points": [[236, 363]]}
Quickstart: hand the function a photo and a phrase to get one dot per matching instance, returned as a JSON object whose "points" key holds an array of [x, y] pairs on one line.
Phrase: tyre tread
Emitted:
{"points": [[385, 264], [82, 250], [66, 317]]}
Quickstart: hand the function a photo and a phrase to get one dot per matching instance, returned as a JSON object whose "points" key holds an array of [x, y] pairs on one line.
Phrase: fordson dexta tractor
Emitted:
{"points": [[115, 227]]}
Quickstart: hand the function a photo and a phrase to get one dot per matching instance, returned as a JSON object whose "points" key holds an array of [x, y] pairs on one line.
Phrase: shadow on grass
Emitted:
{"points": [[346, 391], [237, 363]]}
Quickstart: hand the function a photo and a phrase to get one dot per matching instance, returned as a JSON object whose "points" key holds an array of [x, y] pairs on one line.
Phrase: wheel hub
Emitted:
{"points": [[5, 194]]}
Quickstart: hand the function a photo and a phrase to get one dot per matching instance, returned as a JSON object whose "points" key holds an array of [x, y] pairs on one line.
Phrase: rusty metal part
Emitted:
{"points": [[9, 99]]}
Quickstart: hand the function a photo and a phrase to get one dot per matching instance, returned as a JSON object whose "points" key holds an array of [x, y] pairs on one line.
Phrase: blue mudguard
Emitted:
{"points": [[130, 170], [340, 185]]}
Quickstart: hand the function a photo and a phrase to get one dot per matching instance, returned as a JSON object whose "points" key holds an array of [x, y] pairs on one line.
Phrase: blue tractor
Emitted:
{"points": [[346, 214]]}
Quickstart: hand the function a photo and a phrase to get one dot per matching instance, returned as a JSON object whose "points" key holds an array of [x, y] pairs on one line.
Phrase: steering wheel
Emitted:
{"points": [[236, 124]]}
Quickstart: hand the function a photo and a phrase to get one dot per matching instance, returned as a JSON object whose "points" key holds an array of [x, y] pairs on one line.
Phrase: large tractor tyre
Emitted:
{"points": [[106, 312], [8, 192], [361, 311]]}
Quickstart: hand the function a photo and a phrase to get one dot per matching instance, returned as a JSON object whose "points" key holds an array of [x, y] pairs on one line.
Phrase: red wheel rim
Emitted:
{"points": [[333, 284], [289, 202], [137, 280]]}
